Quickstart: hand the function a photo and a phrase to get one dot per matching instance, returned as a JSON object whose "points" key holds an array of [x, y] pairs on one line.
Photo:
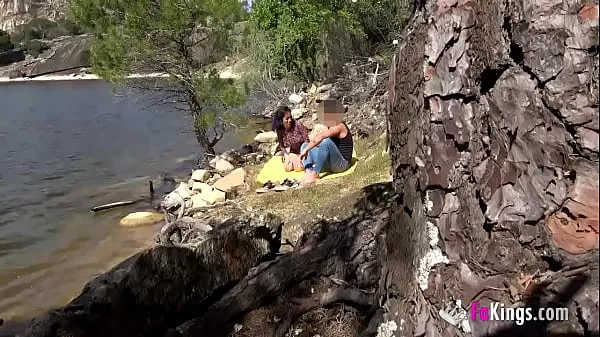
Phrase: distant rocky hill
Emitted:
{"points": [[16, 12], [66, 55]]}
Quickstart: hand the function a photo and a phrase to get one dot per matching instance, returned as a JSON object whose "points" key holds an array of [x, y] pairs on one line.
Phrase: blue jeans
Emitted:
{"points": [[326, 156]]}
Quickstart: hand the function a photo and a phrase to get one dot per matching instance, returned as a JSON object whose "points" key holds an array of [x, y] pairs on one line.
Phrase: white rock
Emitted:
{"points": [[273, 149], [299, 113], [434, 234], [315, 116], [419, 162], [266, 137], [213, 196], [141, 219], [221, 165], [323, 96], [387, 329], [324, 87], [200, 175], [201, 187], [295, 99], [433, 257], [317, 128], [232, 180], [198, 201], [183, 190]]}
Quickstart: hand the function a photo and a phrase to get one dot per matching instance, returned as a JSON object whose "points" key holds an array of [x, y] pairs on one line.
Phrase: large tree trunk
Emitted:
{"points": [[494, 137]]}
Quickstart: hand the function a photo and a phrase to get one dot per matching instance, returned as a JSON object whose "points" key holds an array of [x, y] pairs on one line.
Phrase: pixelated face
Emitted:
{"points": [[332, 118], [330, 112]]}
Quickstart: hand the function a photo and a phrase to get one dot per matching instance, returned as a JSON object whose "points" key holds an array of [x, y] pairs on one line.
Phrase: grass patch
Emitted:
{"points": [[373, 167]]}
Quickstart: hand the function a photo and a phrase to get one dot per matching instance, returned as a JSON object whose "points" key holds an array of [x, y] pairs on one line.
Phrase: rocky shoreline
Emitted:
{"points": [[224, 177], [197, 232]]}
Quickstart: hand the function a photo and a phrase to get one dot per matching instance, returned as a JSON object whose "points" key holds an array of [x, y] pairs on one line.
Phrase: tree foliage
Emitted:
{"points": [[36, 47], [177, 37], [5, 43], [43, 28], [381, 20], [292, 31]]}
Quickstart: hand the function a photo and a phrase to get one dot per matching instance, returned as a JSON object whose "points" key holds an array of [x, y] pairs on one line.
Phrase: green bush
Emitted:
{"points": [[69, 27], [23, 34], [5, 43], [42, 28], [36, 47], [287, 36], [381, 20]]}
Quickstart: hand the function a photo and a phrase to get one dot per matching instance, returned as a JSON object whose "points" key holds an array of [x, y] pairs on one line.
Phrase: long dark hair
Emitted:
{"points": [[277, 124]]}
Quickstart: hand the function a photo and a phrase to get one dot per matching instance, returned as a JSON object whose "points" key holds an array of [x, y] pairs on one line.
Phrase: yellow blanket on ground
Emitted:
{"points": [[274, 171]]}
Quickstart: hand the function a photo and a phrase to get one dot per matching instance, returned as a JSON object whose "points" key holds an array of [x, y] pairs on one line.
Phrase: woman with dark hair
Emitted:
{"points": [[291, 134]]}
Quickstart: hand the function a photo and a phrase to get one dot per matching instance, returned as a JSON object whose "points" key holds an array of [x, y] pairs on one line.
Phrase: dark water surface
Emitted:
{"points": [[64, 148]]}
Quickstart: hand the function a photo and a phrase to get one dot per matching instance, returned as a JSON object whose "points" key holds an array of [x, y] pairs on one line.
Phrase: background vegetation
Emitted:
{"points": [[32, 36], [300, 39], [288, 36], [5, 44]]}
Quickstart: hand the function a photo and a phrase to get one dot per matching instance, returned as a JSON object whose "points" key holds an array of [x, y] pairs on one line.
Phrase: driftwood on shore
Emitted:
{"points": [[113, 205]]}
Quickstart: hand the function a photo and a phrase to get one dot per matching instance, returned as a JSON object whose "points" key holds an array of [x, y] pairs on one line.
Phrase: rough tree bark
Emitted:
{"points": [[494, 142]]}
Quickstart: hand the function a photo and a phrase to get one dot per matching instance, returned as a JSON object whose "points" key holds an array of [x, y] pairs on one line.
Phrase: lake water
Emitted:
{"points": [[64, 148]]}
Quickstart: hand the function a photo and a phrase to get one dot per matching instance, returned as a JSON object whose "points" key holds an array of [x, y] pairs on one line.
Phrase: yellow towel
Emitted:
{"points": [[274, 171]]}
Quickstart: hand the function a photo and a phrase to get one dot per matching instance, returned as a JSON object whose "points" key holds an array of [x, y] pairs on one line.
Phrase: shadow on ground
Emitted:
{"points": [[559, 300]]}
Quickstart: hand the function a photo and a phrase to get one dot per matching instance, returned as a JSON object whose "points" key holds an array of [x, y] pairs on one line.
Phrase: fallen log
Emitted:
{"points": [[164, 286], [114, 205]]}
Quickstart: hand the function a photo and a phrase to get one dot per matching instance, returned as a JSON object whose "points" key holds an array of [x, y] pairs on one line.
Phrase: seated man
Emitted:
{"points": [[330, 150]]}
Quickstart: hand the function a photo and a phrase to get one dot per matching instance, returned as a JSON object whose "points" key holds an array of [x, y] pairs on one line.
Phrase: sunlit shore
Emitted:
{"points": [[72, 77]]}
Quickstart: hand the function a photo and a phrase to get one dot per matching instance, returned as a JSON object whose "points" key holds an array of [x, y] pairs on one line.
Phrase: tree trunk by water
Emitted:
{"points": [[494, 141], [204, 142]]}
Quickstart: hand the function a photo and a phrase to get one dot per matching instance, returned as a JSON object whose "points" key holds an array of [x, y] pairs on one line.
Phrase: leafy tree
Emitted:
{"points": [[23, 34], [178, 37], [292, 32], [5, 43], [381, 20], [36, 47]]}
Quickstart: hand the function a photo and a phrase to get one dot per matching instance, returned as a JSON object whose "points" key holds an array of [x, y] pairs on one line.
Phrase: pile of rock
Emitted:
{"points": [[206, 188], [266, 142], [364, 103]]}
